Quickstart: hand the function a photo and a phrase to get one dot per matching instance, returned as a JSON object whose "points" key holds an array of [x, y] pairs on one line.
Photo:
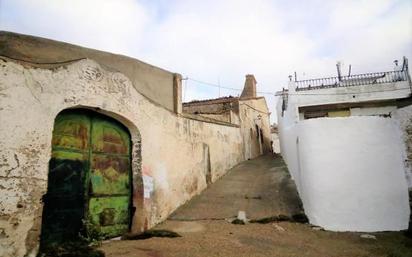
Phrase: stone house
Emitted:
{"points": [[247, 111], [344, 140], [90, 137]]}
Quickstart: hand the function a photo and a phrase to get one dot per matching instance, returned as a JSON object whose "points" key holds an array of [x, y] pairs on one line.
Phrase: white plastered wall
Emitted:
{"points": [[350, 172], [403, 116]]}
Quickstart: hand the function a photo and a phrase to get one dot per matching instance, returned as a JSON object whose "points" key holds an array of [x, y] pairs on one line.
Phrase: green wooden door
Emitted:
{"points": [[109, 186], [89, 177], [64, 202]]}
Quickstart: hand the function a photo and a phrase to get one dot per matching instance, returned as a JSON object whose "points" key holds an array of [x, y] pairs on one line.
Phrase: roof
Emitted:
{"points": [[225, 99]]}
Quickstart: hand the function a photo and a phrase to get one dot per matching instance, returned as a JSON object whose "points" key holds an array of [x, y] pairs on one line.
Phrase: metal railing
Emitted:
{"points": [[353, 80]]}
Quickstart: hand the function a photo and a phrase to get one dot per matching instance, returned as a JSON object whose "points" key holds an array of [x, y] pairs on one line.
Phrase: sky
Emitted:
{"points": [[220, 41]]}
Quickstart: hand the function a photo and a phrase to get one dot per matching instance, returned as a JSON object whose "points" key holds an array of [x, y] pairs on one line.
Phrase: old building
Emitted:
{"points": [[343, 140], [94, 138], [247, 111]]}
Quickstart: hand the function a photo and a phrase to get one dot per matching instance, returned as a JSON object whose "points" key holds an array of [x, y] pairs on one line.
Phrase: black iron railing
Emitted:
{"points": [[353, 80]]}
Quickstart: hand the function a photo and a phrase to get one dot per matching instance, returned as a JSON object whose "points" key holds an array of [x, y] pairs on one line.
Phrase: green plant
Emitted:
{"points": [[90, 233]]}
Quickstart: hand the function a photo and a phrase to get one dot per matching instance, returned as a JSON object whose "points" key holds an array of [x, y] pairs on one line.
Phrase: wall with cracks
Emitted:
{"points": [[174, 157]]}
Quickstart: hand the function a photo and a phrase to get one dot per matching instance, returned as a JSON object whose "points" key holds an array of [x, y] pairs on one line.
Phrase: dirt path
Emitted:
{"points": [[220, 238], [262, 188]]}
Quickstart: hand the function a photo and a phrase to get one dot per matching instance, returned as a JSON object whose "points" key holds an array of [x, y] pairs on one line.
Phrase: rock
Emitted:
{"points": [[241, 215], [279, 228], [367, 236]]}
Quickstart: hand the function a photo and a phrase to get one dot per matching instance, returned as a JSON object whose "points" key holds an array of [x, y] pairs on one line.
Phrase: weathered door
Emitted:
{"points": [[89, 177], [109, 186], [64, 202]]}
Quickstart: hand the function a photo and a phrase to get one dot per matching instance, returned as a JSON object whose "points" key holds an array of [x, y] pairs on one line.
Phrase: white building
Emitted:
{"points": [[274, 136], [344, 140]]}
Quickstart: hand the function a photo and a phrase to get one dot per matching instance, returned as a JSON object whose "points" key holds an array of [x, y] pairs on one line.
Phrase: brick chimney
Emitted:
{"points": [[249, 90]]}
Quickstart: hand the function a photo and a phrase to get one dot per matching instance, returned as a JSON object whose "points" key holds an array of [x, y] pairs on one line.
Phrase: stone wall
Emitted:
{"points": [[216, 106], [169, 150]]}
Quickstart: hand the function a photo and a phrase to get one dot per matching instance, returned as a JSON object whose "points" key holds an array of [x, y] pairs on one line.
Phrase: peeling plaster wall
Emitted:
{"points": [[173, 165], [150, 81]]}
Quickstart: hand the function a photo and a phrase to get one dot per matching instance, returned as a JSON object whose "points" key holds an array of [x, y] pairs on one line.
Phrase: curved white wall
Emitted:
{"points": [[351, 174]]}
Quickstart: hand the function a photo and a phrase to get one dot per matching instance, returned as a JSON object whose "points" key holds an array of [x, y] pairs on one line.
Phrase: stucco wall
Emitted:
{"points": [[352, 175], [174, 150], [350, 172], [154, 83], [275, 142], [254, 112], [404, 119], [352, 94]]}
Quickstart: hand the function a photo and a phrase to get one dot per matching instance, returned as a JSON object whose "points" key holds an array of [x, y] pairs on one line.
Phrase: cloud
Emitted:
{"points": [[221, 41], [107, 25]]}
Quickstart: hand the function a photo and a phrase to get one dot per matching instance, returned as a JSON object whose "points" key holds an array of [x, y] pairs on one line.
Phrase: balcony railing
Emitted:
{"points": [[353, 80]]}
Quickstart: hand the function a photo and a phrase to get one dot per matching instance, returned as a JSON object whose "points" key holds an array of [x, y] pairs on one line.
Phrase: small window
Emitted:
{"points": [[317, 114]]}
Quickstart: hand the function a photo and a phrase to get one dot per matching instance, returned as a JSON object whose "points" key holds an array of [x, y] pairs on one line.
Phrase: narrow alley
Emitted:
{"points": [[263, 189], [205, 128]]}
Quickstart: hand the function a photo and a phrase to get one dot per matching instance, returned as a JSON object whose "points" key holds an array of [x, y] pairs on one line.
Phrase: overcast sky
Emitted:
{"points": [[220, 41]]}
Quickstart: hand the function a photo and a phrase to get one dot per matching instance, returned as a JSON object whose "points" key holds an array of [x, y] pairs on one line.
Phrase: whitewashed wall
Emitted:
{"points": [[275, 142], [404, 118], [352, 94], [352, 174]]}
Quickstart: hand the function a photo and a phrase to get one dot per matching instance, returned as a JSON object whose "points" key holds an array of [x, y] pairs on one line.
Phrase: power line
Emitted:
{"points": [[213, 85], [229, 88]]}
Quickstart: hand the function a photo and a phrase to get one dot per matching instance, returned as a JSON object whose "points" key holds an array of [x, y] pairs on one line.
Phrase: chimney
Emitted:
{"points": [[249, 90]]}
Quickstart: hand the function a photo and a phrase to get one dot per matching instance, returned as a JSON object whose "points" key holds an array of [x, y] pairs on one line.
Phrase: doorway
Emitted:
{"points": [[89, 179]]}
